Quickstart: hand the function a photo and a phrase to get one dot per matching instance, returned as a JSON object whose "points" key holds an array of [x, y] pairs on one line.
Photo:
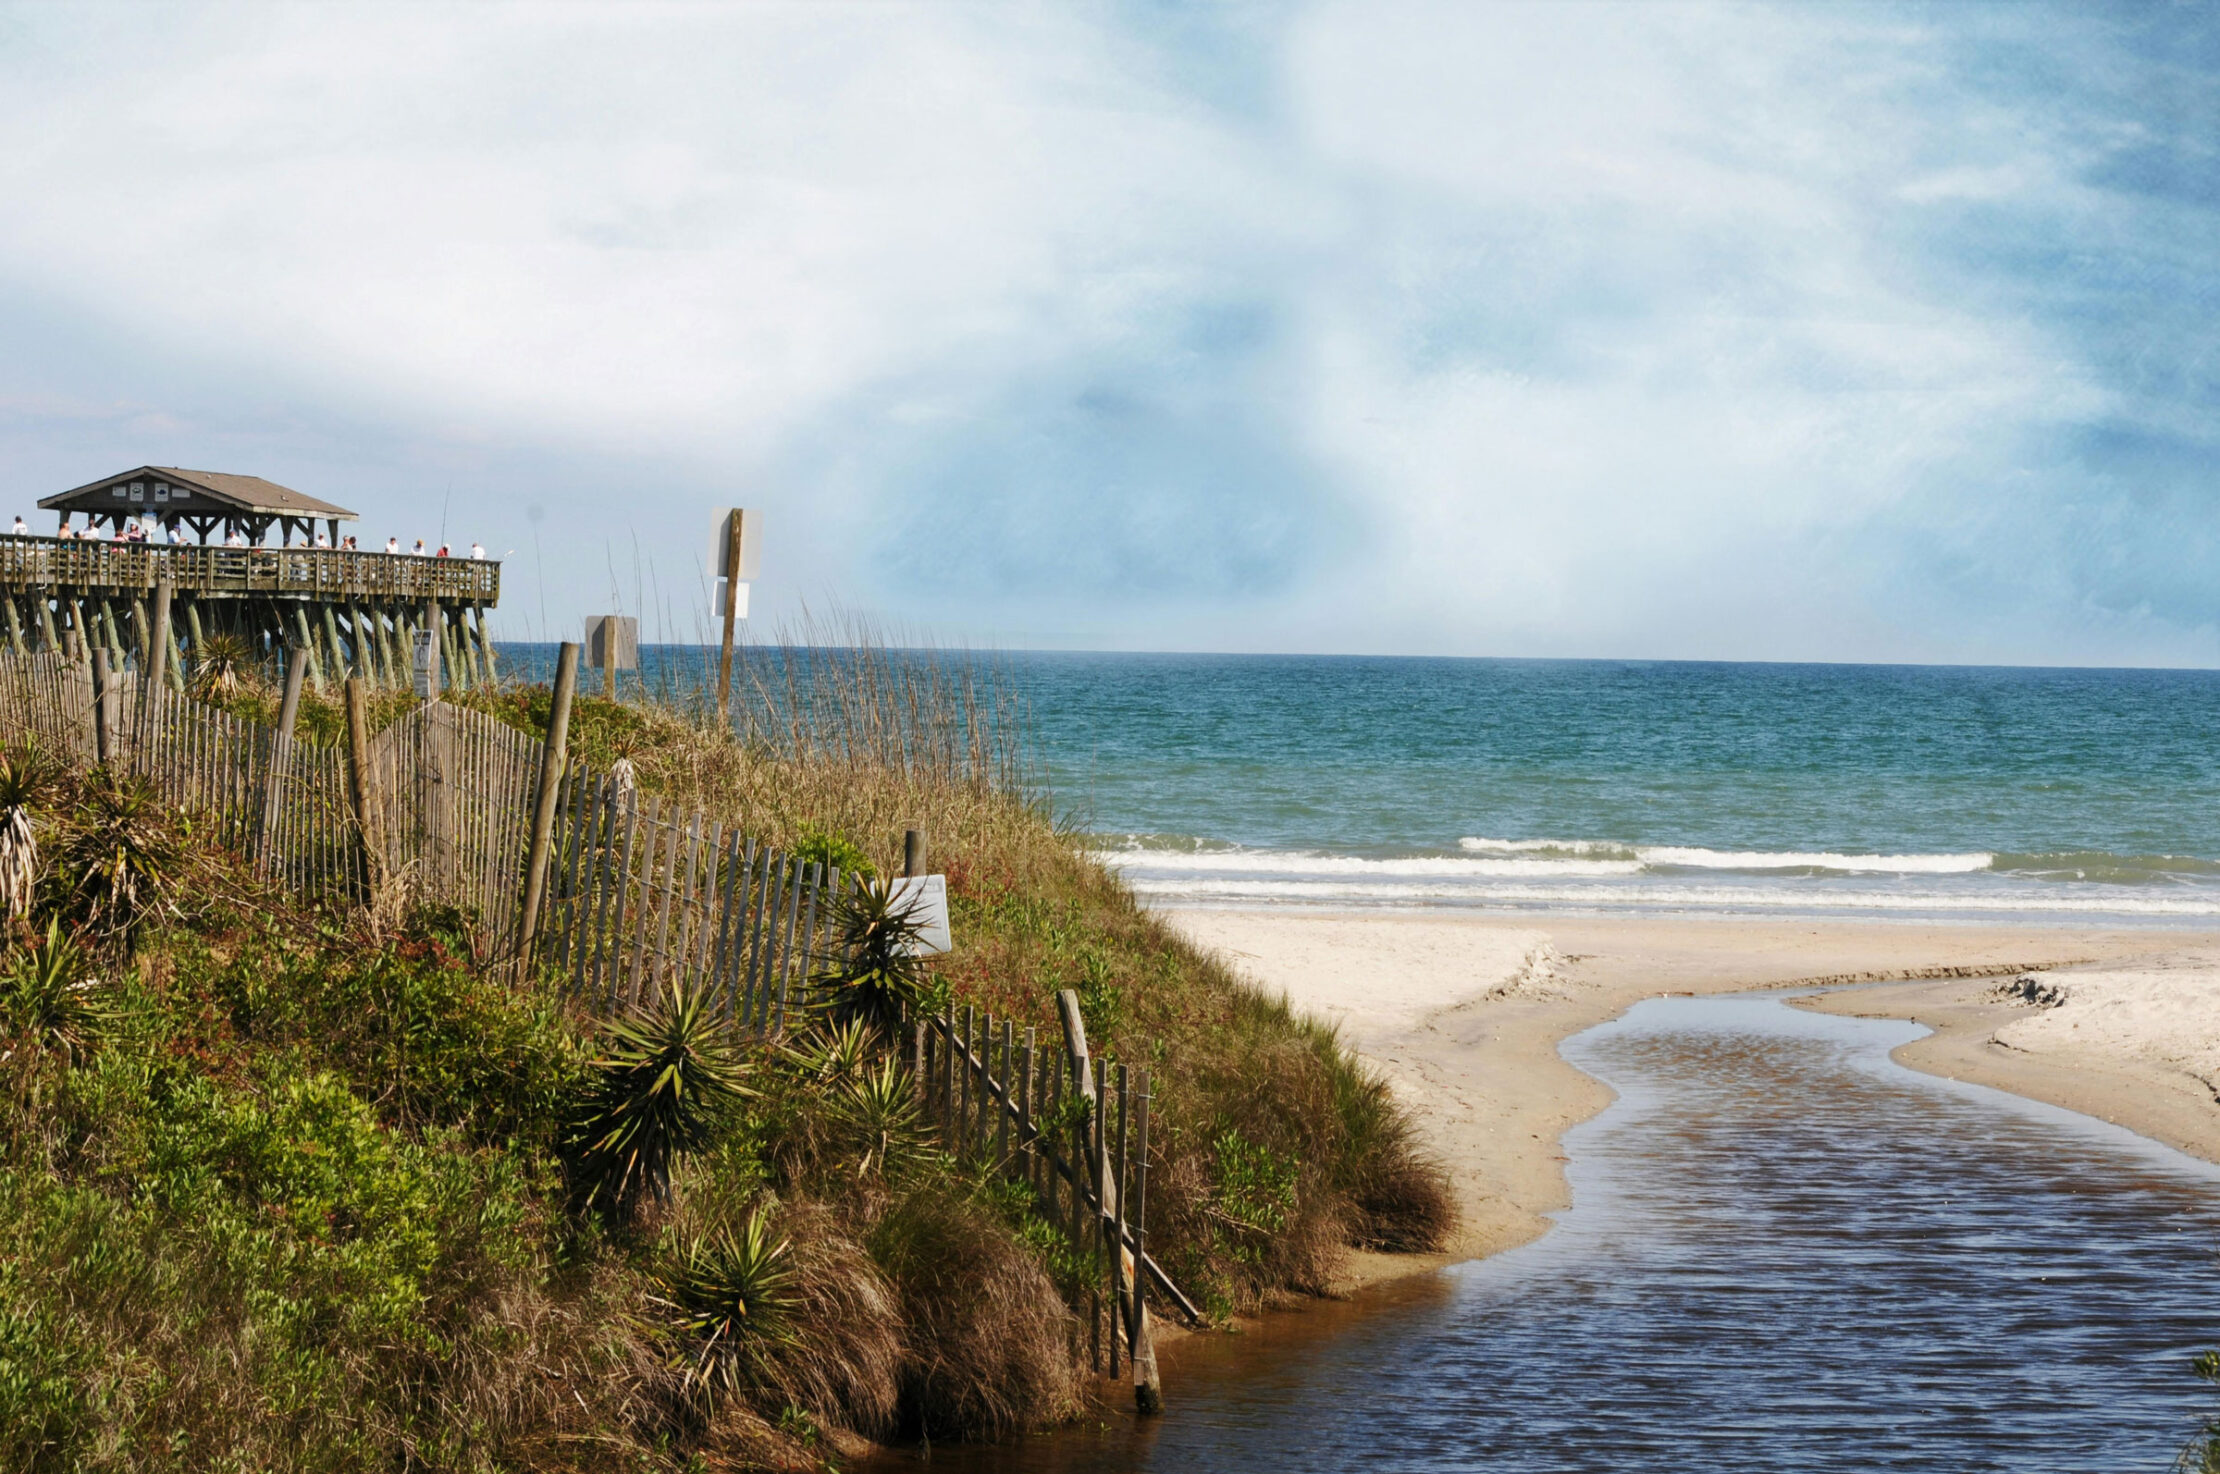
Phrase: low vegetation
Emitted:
{"points": [[291, 1189]]}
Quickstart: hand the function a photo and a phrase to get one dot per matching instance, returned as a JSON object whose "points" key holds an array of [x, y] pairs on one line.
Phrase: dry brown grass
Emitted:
{"points": [[988, 1343]]}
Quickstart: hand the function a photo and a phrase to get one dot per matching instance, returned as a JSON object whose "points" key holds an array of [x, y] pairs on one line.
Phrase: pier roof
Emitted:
{"points": [[224, 492], [202, 500]]}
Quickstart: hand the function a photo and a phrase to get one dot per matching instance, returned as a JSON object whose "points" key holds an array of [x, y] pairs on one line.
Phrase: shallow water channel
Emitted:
{"points": [[1785, 1252]]}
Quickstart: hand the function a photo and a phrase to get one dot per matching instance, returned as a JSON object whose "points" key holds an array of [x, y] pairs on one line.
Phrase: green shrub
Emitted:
{"points": [[835, 852]]}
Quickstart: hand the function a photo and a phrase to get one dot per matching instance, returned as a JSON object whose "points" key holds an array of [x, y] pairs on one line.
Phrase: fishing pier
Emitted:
{"points": [[347, 611]]}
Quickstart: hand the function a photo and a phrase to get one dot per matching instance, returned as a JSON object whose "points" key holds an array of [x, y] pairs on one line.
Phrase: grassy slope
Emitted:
{"points": [[306, 1205]]}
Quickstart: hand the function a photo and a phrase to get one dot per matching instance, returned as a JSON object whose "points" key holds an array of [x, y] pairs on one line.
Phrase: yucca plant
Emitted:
{"points": [[120, 856], [24, 780], [872, 972], [221, 665], [52, 1006], [877, 1107], [667, 1077], [734, 1296], [832, 1053]]}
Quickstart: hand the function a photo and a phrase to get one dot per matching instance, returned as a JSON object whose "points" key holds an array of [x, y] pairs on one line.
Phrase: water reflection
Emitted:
{"points": [[1785, 1252]]}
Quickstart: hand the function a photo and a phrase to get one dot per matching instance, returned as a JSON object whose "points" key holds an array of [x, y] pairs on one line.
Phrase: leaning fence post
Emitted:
{"points": [[281, 756], [358, 784], [1148, 1387], [554, 758], [913, 852]]}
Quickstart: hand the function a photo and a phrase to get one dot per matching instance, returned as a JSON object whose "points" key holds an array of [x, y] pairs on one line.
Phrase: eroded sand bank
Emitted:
{"points": [[1464, 1015]]}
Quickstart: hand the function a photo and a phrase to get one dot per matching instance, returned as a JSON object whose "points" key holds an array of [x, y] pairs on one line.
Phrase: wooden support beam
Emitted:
{"points": [[431, 649], [485, 646], [306, 649], [154, 672]]}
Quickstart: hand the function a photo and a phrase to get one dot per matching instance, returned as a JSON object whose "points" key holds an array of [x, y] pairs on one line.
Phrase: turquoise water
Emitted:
{"points": [[1647, 786], [1639, 785]]}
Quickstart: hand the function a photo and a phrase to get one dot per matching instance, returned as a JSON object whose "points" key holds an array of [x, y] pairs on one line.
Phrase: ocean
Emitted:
{"points": [[1632, 786]]}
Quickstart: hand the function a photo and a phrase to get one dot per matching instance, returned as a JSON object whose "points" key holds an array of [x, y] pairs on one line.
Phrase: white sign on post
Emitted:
{"points": [[738, 592], [421, 650], [927, 910]]}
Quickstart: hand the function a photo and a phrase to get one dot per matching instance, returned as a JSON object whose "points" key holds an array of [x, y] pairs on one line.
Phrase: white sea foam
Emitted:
{"points": [[2012, 900], [1600, 874], [1694, 857], [1305, 862]]}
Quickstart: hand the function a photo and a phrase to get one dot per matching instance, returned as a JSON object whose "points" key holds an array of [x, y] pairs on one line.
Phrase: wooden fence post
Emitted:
{"points": [[554, 758], [281, 758], [103, 684], [1125, 1269], [358, 784], [1148, 1387], [913, 852]]}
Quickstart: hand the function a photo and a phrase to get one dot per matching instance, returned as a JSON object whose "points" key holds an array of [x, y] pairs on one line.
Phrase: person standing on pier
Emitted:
{"points": [[478, 552], [393, 546], [20, 530]]}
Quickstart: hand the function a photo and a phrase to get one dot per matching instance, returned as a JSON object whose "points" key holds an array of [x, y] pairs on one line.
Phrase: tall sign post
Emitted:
{"points": [[737, 552]]}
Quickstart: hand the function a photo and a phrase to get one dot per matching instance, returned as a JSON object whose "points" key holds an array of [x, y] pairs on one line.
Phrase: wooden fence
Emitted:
{"points": [[49, 698], [643, 895], [448, 810], [1078, 1138]]}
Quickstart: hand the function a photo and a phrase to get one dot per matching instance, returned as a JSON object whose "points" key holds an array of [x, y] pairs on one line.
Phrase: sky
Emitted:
{"points": [[1807, 332]]}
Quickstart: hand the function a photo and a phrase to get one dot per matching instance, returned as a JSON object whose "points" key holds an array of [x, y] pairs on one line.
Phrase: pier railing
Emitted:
{"points": [[46, 564]]}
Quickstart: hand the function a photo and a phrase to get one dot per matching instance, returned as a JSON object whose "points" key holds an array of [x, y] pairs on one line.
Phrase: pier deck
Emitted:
{"points": [[347, 612]]}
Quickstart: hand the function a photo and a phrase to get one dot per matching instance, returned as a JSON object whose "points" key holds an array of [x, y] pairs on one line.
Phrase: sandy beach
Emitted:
{"points": [[1464, 1015]]}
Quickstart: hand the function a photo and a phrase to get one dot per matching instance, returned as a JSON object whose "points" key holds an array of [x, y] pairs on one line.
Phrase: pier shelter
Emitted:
{"points": [[203, 501], [346, 612]]}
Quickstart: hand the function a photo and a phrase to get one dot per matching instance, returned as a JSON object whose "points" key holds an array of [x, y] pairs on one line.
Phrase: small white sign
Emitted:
{"points": [[739, 592], [421, 643], [928, 911]]}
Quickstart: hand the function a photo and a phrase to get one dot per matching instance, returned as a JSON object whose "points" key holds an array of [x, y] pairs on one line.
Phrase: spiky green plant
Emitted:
{"points": [[222, 663], [51, 1005], [877, 1107], [873, 972], [24, 780], [831, 1053], [734, 1296], [120, 856], [667, 1077]]}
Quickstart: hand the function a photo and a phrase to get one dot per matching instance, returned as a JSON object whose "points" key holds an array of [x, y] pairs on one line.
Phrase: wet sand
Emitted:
{"points": [[1464, 1014]]}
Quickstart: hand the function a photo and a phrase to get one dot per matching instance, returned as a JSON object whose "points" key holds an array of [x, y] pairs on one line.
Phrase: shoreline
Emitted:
{"points": [[1463, 1014]]}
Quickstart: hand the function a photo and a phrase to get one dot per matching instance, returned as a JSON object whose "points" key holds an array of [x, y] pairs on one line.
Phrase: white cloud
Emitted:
{"points": [[1589, 328]]}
